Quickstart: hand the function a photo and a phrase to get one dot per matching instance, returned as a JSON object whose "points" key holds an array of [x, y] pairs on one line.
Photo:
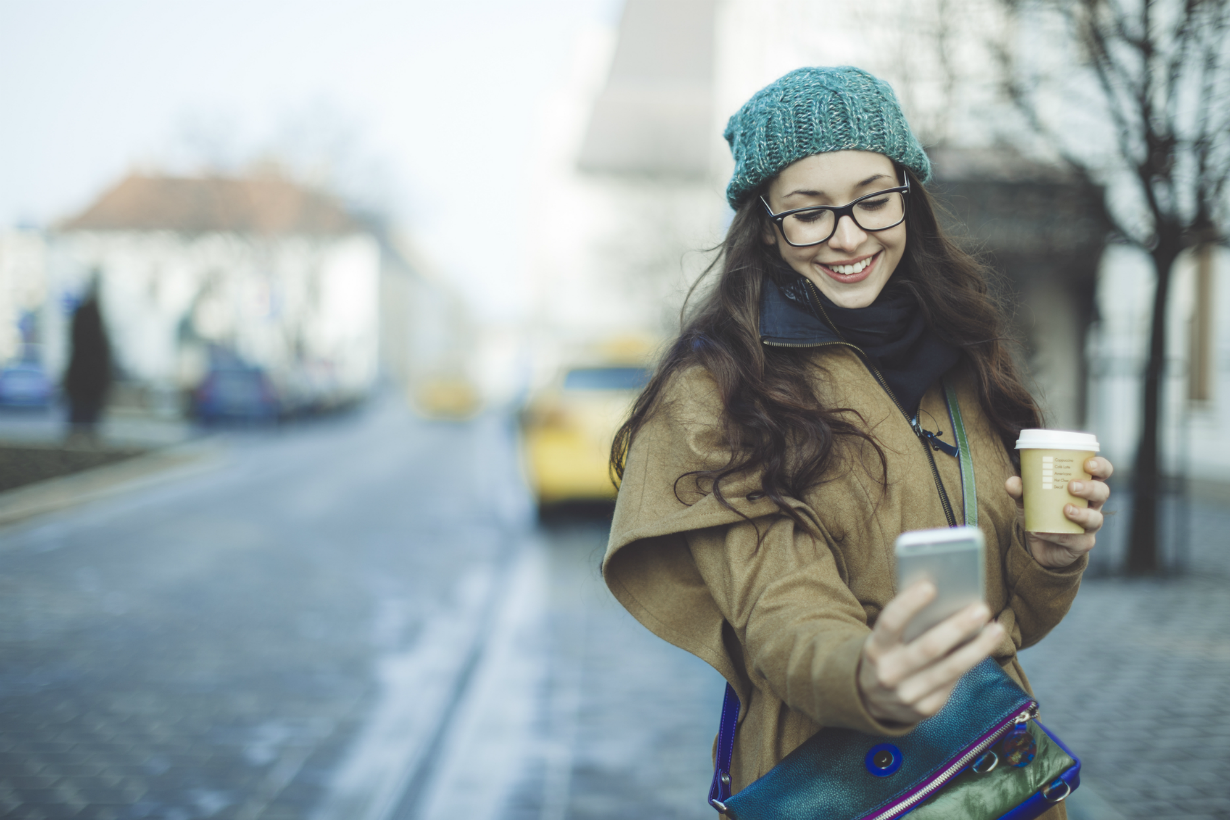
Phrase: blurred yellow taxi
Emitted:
{"points": [[568, 427], [445, 397]]}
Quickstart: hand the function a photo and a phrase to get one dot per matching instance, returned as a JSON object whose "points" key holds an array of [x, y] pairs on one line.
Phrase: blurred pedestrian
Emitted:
{"points": [[88, 378], [774, 458]]}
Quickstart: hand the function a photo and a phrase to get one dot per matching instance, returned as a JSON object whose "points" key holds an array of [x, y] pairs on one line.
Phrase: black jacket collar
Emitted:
{"points": [[789, 317]]}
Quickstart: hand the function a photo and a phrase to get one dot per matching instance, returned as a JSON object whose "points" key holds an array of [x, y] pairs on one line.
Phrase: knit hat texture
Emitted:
{"points": [[814, 111]]}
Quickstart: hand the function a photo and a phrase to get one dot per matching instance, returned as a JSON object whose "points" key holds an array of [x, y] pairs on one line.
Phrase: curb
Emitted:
{"points": [[156, 467]]}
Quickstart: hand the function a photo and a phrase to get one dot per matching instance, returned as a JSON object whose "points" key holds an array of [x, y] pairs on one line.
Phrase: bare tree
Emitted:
{"points": [[1155, 75]]}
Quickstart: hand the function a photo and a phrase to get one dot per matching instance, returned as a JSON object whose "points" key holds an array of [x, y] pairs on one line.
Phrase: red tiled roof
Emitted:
{"points": [[260, 205]]}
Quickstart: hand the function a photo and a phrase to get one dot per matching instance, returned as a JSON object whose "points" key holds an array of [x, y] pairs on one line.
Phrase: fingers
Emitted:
{"points": [[1058, 550], [898, 612], [1099, 468], [1095, 492], [945, 636], [1090, 518], [929, 690], [895, 669], [1015, 488], [913, 681]]}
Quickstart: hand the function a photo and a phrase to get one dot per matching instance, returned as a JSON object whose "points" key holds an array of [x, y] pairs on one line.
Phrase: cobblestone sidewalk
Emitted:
{"points": [[628, 719], [1137, 680]]}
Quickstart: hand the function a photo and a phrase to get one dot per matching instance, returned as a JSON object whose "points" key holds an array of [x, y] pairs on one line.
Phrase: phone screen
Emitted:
{"points": [[952, 559]]}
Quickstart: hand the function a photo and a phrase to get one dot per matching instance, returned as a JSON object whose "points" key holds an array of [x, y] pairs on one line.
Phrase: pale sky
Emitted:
{"points": [[426, 107]]}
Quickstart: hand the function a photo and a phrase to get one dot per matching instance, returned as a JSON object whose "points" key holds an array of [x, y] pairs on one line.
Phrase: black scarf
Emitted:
{"points": [[894, 335], [891, 331]]}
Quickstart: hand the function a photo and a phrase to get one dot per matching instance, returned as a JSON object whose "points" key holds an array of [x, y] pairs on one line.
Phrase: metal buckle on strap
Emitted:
{"points": [[986, 764], [718, 804], [1050, 789]]}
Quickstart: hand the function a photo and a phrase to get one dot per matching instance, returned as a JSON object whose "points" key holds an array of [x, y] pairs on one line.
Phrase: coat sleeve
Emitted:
{"points": [[801, 629], [1034, 598], [1039, 597]]}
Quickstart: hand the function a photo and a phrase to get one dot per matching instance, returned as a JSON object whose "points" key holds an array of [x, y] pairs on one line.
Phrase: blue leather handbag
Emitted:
{"points": [[983, 756]]}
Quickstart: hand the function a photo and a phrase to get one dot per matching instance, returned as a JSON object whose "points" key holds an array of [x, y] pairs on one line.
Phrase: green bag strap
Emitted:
{"points": [[968, 495]]}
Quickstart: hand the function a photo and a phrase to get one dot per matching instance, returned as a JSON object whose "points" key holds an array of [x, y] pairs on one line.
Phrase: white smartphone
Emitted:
{"points": [[949, 557]]}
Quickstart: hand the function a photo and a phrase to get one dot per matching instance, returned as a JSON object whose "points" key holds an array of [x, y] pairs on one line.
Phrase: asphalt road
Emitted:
{"points": [[353, 619], [215, 647]]}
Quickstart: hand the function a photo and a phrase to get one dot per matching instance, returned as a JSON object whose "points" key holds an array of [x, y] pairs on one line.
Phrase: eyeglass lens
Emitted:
{"points": [[872, 214]]}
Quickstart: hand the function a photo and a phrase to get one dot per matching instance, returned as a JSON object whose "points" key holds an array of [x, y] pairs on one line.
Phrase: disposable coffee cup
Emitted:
{"points": [[1050, 459]]}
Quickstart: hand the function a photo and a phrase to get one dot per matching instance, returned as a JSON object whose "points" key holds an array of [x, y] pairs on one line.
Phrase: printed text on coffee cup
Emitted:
{"points": [[1058, 471]]}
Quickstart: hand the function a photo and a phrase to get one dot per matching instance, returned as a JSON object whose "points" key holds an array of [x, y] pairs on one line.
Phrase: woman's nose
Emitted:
{"points": [[848, 235]]}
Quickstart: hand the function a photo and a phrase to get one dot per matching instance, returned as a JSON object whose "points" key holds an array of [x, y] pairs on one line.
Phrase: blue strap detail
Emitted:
{"points": [[938, 444], [719, 789], [933, 440]]}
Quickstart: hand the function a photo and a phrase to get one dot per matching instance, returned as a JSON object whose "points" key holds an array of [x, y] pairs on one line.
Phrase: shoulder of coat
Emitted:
{"points": [[691, 393]]}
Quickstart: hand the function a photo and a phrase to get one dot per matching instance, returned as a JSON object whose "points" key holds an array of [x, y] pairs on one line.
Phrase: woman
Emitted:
{"points": [[798, 426]]}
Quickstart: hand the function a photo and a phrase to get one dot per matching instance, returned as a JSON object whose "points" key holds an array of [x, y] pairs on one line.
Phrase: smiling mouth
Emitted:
{"points": [[853, 269]]}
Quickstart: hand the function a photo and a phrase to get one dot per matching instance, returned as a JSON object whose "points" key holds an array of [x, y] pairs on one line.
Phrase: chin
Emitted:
{"points": [[851, 299], [854, 304]]}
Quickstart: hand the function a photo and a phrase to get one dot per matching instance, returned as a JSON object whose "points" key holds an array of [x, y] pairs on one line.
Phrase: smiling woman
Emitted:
{"points": [[849, 259], [805, 418]]}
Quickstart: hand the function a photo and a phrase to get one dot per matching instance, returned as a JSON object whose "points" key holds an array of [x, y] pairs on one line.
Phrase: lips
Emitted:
{"points": [[858, 270]]}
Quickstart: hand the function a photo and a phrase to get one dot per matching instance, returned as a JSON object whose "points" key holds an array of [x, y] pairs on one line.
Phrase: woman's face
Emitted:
{"points": [[854, 265]]}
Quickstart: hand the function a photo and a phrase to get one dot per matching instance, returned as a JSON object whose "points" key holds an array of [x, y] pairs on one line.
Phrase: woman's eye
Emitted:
{"points": [[811, 216], [873, 204]]}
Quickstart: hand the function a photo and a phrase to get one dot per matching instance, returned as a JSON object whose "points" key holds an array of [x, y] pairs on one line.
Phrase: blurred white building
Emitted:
{"points": [[23, 291], [625, 199], [262, 269]]}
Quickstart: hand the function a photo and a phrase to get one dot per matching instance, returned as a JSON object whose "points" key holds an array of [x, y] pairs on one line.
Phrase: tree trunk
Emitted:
{"points": [[1142, 558]]}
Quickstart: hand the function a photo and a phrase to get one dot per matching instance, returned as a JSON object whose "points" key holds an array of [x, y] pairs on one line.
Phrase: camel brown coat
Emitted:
{"points": [[782, 610]]}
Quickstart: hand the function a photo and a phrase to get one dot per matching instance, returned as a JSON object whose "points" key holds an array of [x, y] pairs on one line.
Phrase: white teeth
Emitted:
{"points": [[848, 270]]}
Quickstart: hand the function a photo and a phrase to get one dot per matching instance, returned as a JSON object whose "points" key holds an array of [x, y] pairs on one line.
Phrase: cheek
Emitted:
{"points": [[796, 258], [894, 246]]}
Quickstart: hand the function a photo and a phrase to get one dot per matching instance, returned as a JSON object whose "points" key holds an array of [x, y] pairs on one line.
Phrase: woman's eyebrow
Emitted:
{"points": [[872, 179], [863, 184]]}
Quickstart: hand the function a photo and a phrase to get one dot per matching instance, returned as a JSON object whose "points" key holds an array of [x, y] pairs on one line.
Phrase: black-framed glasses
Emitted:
{"points": [[816, 224]]}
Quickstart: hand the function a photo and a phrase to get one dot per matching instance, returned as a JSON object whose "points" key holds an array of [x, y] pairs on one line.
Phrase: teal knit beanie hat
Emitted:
{"points": [[814, 111]]}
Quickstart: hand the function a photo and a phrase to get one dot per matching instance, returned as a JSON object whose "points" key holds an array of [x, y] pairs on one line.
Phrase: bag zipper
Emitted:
{"points": [[919, 433], [957, 766]]}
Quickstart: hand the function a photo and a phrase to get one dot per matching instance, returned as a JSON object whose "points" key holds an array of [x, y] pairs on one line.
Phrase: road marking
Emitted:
{"points": [[493, 736], [418, 691], [467, 690]]}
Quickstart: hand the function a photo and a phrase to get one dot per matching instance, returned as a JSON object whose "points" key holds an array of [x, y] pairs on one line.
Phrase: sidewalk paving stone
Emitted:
{"points": [[1137, 679]]}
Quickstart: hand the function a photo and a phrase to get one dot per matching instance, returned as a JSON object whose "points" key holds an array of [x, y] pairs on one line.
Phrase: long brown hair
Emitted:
{"points": [[775, 423]]}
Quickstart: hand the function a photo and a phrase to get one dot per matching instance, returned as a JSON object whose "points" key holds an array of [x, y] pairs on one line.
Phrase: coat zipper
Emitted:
{"points": [[919, 433], [957, 766]]}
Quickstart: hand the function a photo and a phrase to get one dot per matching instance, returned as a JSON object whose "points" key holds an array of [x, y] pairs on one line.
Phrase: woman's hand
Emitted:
{"points": [[908, 682], [1058, 550]]}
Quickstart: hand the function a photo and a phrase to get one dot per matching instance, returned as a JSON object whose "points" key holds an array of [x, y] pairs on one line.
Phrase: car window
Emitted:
{"points": [[606, 378]]}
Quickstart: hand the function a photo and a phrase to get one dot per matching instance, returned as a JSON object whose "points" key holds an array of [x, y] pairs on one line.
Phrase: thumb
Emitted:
{"points": [[1015, 488]]}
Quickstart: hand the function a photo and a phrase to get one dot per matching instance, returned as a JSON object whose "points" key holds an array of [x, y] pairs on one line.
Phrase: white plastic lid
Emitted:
{"points": [[1057, 440]]}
